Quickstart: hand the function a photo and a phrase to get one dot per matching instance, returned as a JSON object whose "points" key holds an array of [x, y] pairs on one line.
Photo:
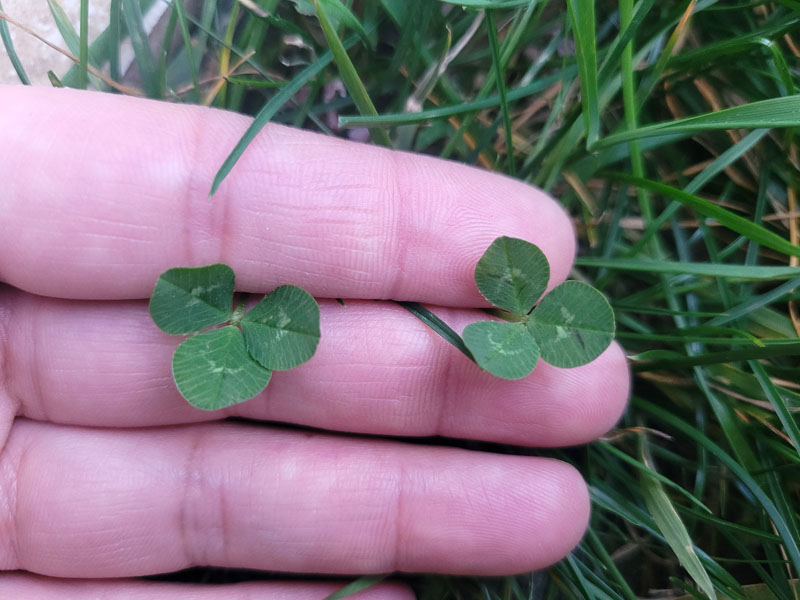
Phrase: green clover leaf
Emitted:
{"points": [[506, 350], [573, 324], [512, 274], [189, 299], [282, 331], [213, 369]]}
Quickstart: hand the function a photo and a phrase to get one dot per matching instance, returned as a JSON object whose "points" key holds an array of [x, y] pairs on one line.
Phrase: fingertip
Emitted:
{"points": [[558, 239], [586, 401], [563, 522], [508, 515]]}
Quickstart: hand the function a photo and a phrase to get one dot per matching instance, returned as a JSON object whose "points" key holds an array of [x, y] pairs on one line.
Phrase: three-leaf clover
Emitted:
{"points": [[571, 326], [232, 363]]}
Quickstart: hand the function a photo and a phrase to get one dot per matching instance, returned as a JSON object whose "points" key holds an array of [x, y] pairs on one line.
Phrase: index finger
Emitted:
{"points": [[103, 193]]}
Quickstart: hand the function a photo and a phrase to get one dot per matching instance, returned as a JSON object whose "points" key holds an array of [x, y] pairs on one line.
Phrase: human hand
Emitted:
{"points": [[106, 472]]}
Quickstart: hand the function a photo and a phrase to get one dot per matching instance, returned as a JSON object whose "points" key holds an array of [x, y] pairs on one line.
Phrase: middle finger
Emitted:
{"points": [[377, 370]]}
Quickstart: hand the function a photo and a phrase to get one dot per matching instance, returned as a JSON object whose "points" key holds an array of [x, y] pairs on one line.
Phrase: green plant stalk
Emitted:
{"points": [[741, 272], [597, 545], [501, 90], [785, 416], [711, 358], [473, 106], [349, 75], [187, 43], [439, 326], [629, 100], [114, 26], [163, 52], [225, 53], [581, 14], [84, 49], [661, 64], [362, 583], [5, 36], [132, 12]]}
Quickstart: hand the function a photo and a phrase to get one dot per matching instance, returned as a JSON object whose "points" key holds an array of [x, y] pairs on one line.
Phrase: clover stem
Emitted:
{"points": [[507, 316]]}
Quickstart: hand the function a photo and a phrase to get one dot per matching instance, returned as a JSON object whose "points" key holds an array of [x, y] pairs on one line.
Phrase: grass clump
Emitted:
{"points": [[668, 130]]}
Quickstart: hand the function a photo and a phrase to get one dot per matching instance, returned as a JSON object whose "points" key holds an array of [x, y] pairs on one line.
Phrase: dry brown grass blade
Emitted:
{"points": [[223, 79], [588, 201], [544, 100]]}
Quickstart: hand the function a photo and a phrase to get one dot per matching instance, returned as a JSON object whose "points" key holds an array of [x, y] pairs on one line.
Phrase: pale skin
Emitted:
{"points": [[106, 473]]}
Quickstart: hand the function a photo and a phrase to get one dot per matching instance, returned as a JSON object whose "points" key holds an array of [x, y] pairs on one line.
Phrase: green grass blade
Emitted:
{"points": [[338, 12], [642, 467], [770, 113], [722, 162], [65, 28], [661, 64], [726, 159], [776, 400], [83, 57], [114, 38], [187, 44], [487, 4], [166, 42], [349, 74], [266, 113], [54, 80], [439, 326], [754, 303], [501, 89], [354, 587], [746, 227], [77, 43], [790, 543], [626, 591], [391, 119], [582, 18], [653, 360], [132, 13], [743, 272], [613, 53], [631, 111], [104, 49], [670, 523], [5, 36]]}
